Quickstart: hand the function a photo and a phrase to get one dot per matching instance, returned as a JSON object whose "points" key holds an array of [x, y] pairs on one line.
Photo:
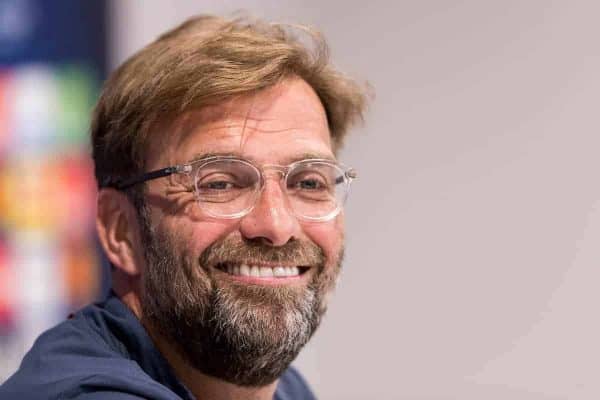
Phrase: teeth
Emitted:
{"points": [[262, 272]]}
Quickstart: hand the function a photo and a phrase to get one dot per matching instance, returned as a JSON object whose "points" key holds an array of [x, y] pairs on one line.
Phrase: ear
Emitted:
{"points": [[118, 231]]}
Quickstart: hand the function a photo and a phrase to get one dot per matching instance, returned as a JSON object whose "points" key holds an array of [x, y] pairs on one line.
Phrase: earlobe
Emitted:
{"points": [[116, 224]]}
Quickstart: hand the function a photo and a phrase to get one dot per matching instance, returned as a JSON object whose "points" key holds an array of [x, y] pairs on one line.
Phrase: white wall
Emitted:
{"points": [[474, 228]]}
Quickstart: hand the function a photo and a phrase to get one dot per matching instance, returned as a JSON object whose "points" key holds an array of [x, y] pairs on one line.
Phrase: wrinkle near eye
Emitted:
{"points": [[180, 197]]}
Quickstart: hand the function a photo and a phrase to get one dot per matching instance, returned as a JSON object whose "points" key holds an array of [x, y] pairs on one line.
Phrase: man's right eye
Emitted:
{"points": [[218, 185], [218, 181]]}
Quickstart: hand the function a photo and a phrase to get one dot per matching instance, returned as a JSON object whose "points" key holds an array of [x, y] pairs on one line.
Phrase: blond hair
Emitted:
{"points": [[204, 61]]}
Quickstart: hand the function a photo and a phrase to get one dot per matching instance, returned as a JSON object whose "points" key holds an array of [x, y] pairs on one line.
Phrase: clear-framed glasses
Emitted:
{"points": [[229, 187]]}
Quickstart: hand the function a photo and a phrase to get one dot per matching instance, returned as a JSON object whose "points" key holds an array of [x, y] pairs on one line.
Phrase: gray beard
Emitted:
{"points": [[244, 334]]}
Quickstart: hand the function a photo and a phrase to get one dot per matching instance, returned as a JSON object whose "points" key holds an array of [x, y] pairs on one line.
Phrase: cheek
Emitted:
{"points": [[195, 236], [329, 236]]}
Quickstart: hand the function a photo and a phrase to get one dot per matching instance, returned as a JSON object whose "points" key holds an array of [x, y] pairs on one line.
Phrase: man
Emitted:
{"points": [[220, 211]]}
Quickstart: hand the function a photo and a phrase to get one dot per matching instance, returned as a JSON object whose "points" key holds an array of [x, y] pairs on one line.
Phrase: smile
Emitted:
{"points": [[261, 271]]}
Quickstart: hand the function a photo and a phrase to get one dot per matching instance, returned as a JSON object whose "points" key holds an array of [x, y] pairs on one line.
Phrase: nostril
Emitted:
{"points": [[264, 240]]}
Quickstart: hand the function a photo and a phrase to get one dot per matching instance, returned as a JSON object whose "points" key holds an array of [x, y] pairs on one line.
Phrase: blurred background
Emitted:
{"points": [[53, 57], [473, 231]]}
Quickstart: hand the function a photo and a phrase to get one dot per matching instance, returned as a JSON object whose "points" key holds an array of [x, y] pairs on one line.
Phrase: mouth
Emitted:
{"points": [[262, 271]]}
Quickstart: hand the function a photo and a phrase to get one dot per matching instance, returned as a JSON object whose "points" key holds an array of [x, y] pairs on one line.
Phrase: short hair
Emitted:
{"points": [[205, 61]]}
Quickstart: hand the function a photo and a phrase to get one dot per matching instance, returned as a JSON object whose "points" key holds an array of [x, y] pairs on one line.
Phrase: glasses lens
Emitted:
{"points": [[227, 188], [316, 189]]}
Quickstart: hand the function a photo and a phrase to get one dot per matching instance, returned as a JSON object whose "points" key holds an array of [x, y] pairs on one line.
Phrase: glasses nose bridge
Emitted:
{"points": [[272, 170], [278, 173]]}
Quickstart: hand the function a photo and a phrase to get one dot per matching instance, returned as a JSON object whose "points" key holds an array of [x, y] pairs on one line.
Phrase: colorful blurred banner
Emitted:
{"points": [[52, 61]]}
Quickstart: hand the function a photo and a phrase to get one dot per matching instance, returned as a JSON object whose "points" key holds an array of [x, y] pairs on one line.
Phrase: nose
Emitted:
{"points": [[271, 219]]}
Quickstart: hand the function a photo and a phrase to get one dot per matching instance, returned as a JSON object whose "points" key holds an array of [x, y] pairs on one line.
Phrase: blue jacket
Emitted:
{"points": [[103, 352]]}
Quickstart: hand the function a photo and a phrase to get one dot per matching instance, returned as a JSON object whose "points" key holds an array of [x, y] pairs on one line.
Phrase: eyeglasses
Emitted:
{"points": [[229, 187]]}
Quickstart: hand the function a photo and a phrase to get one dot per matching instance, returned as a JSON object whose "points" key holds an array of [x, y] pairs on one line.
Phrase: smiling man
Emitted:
{"points": [[220, 210]]}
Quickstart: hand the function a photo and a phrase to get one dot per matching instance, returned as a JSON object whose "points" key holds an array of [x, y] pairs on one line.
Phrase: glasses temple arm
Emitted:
{"points": [[349, 174], [127, 183]]}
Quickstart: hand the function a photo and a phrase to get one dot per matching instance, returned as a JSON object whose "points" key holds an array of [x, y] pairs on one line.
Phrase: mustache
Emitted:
{"points": [[238, 250]]}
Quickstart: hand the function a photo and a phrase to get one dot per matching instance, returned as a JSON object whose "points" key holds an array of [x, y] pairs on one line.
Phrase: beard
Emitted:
{"points": [[245, 334]]}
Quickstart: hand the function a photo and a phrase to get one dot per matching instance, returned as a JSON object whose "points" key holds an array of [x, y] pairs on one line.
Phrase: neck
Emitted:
{"points": [[205, 387]]}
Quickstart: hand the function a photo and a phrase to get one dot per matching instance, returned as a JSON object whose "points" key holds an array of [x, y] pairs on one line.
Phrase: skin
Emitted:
{"points": [[275, 126]]}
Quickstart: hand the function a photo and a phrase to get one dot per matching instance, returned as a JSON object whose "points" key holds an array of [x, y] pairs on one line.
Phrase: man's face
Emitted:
{"points": [[244, 329]]}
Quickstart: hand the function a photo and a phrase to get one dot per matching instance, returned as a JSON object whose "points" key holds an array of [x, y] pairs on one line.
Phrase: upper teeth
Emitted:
{"points": [[263, 272]]}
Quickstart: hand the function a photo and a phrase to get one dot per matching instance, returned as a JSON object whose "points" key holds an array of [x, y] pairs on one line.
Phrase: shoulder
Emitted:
{"points": [[75, 360], [292, 386]]}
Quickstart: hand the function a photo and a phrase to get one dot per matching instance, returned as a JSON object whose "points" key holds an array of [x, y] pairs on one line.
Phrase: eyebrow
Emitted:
{"points": [[303, 156]]}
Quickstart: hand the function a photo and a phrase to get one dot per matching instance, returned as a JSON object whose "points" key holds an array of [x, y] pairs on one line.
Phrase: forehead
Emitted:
{"points": [[275, 125]]}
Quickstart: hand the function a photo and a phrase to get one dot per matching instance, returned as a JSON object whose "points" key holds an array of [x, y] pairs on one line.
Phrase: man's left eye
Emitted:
{"points": [[310, 184]]}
